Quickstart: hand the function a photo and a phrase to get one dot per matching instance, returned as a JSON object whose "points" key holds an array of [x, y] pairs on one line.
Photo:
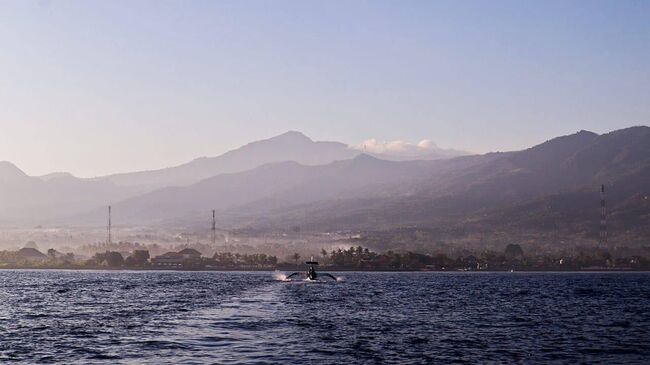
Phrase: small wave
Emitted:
{"points": [[279, 276]]}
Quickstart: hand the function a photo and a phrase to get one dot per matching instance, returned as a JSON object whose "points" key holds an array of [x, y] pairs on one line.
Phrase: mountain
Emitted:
{"points": [[290, 146], [515, 190], [551, 190], [544, 192], [270, 186], [10, 174], [60, 196], [56, 175], [27, 199]]}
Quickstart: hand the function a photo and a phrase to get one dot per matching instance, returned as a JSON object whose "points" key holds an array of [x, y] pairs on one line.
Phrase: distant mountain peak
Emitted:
{"points": [[571, 141], [638, 129], [7, 164], [9, 169], [584, 132], [56, 175], [366, 157], [367, 160], [292, 137]]}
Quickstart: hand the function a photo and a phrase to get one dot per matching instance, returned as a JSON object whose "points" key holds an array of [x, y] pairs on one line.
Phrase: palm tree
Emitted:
{"points": [[296, 257]]}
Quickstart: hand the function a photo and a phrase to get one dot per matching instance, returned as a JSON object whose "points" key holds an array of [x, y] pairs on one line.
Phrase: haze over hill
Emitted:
{"points": [[290, 146], [26, 199], [278, 184], [322, 186], [564, 166], [527, 189], [35, 200]]}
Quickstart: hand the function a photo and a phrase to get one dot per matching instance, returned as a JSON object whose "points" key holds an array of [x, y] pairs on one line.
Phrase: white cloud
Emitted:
{"points": [[427, 144], [395, 147]]}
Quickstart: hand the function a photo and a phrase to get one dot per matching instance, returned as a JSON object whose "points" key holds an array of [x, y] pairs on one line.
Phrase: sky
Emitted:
{"points": [[97, 87]]}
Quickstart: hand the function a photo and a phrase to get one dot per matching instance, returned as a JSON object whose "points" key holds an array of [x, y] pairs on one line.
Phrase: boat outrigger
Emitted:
{"points": [[311, 272]]}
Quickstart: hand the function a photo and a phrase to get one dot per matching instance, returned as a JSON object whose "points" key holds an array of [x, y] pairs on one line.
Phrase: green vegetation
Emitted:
{"points": [[139, 258], [512, 257], [108, 258], [235, 260]]}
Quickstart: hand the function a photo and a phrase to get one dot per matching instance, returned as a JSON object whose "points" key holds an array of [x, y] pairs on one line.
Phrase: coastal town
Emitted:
{"points": [[352, 258]]}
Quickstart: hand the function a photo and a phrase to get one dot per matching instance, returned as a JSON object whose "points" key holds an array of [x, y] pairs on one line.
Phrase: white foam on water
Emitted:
{"points": [[279, 276]]}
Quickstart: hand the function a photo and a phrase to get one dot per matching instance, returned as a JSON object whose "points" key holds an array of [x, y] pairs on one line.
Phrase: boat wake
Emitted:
{"points": [[279, 276]]}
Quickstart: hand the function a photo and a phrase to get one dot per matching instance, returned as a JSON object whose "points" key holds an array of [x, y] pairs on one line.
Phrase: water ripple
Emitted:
{"points": [[384, 318]]}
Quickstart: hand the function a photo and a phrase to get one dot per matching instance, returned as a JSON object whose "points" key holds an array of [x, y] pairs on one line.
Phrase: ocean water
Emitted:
{"points": [[89, 317]]}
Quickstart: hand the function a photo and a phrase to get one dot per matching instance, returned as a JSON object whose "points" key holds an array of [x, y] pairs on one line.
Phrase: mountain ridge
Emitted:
{"points": [[366, 192], [288, 146], [474, 182]]}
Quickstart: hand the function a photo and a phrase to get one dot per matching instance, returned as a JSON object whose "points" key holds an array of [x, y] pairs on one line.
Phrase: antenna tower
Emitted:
{"points": [[110, 240], [214, 228], [603, 217]]}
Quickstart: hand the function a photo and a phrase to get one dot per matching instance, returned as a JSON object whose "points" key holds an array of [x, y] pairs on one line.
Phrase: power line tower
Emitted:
{"points": [[110, 239], [603, 218], [214, 228]]}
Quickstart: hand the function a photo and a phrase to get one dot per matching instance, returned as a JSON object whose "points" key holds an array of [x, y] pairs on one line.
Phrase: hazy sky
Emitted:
{"points": [[95, 87]]}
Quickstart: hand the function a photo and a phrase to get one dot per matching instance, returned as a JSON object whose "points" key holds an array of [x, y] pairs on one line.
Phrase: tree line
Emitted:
{"points": [[512, 257]]}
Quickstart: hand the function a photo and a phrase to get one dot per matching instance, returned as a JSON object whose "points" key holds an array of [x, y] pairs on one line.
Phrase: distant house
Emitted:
{"points": [[30, 254], [187, 258], [190, 253], [56, 255], [169, 259]]}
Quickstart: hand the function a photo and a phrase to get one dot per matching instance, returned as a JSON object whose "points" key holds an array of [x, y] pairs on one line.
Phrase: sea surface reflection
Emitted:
{"points": [[384, 318]]}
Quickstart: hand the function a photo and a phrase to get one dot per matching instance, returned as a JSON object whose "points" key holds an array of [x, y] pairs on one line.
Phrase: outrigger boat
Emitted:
{"points": [[311, 272]]}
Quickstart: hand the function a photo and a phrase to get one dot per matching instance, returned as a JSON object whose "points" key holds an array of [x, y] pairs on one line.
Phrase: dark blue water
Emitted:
{"points": [[369, 318]]}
